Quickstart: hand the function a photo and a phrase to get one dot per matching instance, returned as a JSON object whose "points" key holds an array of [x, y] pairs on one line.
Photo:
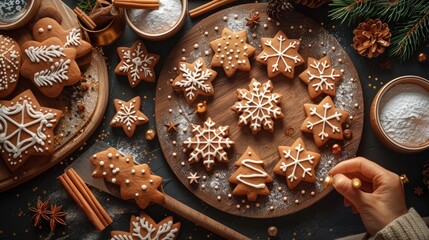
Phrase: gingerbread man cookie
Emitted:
{"points": [[46, 28], [195, 79], [128, 115], [250, 177], [324, 121], [50, 66], [280, 54], [297, 164], [26, 129], [144, 227], [136, 181], [321, 77], [209, 144], [232, 52], [136, 63], [10, 64], [258, 106]]}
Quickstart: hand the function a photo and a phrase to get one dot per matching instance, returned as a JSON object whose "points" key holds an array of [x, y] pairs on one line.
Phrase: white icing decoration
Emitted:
{"points": [[324, 120], [9, 63], [56, 74], [258, 106], [194, 80], [193, 177], [296, 162], [44, 53], [208, 143], [73, 38], [143, 223], [25, 138], [281, 53], [260, 174], [127, 116], [322, 77], [137, 62]]}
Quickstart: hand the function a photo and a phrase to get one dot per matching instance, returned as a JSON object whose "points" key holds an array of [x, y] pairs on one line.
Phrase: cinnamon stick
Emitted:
{"points": [[84, 198], [207, 7], [85, 18], [141, 4]]}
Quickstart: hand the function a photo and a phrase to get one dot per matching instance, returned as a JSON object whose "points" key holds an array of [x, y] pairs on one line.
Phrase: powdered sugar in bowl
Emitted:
{"points": [[400, 114]]}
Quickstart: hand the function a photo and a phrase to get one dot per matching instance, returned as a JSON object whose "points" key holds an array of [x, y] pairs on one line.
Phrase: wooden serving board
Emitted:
{"points": [[76, 126], [214, 188]]}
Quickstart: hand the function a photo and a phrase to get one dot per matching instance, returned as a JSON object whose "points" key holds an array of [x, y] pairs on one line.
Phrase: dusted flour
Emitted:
{"points": [[404, 114]]}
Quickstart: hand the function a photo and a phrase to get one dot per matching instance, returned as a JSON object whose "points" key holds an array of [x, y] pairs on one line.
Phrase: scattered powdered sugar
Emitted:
{"points": [[157, 21], [404, 114]]}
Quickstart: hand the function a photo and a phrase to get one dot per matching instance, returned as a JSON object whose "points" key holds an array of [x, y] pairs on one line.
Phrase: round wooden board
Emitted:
{"points": [[214, 188], [75, 127]]}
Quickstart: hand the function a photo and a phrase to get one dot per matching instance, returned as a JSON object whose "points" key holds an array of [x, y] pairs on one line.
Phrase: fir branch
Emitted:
{"points": [[352, 10], [395, 10], [410, 34], [86, 5]]}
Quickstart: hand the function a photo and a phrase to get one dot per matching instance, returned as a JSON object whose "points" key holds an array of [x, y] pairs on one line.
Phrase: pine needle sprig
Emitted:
{"points": [[395, 10], [86, 5], [410, 34], [352, 10]]}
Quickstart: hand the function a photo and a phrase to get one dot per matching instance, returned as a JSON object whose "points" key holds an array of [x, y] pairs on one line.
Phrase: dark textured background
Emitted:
{"points": [[326, 219]]}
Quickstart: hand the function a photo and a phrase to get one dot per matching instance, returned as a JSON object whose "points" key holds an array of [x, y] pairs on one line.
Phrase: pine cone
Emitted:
{"points": [[312, 3], [371, 37], [278, 9]]}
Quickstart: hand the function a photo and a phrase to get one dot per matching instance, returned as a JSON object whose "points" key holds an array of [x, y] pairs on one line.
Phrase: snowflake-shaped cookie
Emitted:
{"points": [[136, 63], [26, 129], [232, 52], [280, 54], [195, 79], [145, 228], [10, 63], [297, 164], [208, 144], [320, 77], [128, 115], [258, 106], [324, 121]]}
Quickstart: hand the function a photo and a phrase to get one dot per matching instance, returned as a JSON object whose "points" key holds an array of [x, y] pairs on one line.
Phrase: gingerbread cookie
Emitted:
{"points": [[10, 64], [320, 77], [297, 164], [136, 181], [46, 28], [195, 79], [250, 177], [324, 121], [136, 63], [128, 115], [208, 144], [49, 66], [232, 52], [144, 227], [280, 54], [26, 129], [258, 106]]}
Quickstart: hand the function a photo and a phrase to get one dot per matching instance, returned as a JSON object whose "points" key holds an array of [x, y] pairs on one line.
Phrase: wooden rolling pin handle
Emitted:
{"points": [[201, 219]]}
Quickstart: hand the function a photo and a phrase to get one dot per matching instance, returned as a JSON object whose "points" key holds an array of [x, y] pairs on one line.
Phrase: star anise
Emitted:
{"points": [[56, 216], [253, 20], [40, 211]]}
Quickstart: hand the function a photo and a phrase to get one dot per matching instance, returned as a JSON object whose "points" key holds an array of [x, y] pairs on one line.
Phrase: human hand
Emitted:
{"points": [[379, 200]]}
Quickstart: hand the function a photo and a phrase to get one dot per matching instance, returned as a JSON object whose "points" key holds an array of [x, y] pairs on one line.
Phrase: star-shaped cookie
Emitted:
{"points": [[50, 66], [324, 121], [128, 115], [136, 63], [297, 164], [46, 28], [232, 52], [320, 77], [26, 129], [280, 54], [136, 181], [194, 79]]}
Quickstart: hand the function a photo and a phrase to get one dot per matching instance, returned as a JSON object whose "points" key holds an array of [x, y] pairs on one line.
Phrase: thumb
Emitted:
{"points": [[343, 185]]}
